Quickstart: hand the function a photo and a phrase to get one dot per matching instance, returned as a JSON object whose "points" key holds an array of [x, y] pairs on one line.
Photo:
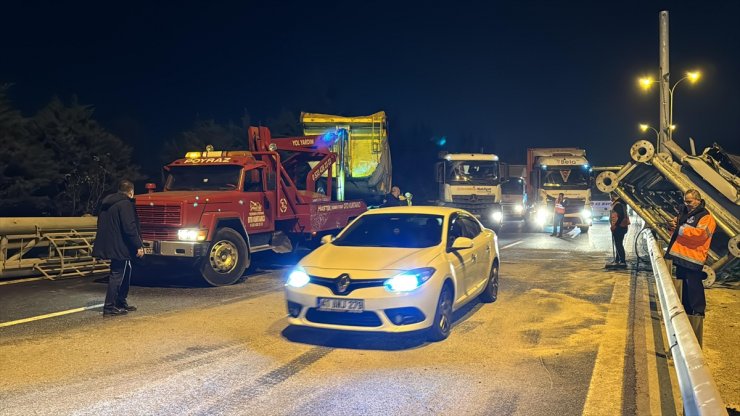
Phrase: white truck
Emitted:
{"points": [[472, 181], [551, 171]]}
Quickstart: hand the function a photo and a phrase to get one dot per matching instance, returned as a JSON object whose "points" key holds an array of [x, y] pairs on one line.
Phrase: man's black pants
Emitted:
{"points": [[118, 284], [692, 292], [618, 236]]}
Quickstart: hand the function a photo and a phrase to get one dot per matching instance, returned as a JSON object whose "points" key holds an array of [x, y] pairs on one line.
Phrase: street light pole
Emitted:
{"points": [[665, 92], [692, 77]]}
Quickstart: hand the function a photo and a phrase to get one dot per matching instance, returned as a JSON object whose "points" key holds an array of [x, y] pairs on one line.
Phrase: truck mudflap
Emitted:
{"points": [[175, 248]]}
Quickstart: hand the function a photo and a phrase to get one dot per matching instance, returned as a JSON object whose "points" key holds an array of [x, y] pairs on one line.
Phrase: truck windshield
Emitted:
{"points": [[576, 178], [513, 187], [393, 230], [472, 172], [203, 178]]}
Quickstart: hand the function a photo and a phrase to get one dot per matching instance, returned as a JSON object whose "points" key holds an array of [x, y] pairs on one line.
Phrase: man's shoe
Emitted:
{"points": [[128, 308], [560, 235], [553, 235], [115, 312], [621, 265]]}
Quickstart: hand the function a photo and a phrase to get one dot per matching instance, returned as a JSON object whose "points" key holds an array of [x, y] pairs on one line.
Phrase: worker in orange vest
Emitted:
{"points": [[559, 217], [693, 229]]}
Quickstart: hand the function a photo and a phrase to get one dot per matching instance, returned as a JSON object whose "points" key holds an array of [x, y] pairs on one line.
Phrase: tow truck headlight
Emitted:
{"points": [[518, 208], [189, 234], [586, 213], [408, 281], [298, 278], [497, 216]]}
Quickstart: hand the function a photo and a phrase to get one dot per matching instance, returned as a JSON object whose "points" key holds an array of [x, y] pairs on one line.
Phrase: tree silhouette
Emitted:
{"points": [[89, 160], [27, 166]]}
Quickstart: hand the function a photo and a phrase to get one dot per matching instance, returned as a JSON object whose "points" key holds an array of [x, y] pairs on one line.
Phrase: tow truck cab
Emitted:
{"points": [[219, 207]]}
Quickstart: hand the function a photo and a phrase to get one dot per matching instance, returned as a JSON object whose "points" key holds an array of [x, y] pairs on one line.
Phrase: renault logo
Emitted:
{"points": [[343, 282]]}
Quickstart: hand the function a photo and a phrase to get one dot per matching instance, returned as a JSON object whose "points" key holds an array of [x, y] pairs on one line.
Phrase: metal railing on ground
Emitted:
{"points": [[699, 393], [48, 247]]}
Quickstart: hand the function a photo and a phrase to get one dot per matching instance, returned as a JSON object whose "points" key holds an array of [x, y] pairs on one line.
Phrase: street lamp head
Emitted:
{"points": [[646, 83], [644, 127], [672, 127], [693, 76]]}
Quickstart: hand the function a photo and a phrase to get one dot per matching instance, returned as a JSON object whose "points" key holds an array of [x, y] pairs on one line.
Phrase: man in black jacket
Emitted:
{"points": [[118, 240], [393, 199], [620, 222]]}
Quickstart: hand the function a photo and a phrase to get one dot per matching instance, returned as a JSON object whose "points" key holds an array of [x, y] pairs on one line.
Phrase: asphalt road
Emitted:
{"points": [[565, 337]]}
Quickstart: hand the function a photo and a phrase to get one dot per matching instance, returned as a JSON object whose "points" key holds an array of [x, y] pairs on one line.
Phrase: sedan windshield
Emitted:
{"points": [[393, 230], [203, 178]]}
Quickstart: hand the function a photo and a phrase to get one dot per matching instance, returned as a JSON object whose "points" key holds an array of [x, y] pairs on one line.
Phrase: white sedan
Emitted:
{"points": [[396, 270]]}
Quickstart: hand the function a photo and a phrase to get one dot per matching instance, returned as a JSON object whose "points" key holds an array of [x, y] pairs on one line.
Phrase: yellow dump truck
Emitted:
{"points": [[366, 154]]}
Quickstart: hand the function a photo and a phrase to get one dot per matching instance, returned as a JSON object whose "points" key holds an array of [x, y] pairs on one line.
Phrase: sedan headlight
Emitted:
{"points": [[298, 278], [586, 213], [408, 281], [518, 208], [497, 216], [189, 234]]}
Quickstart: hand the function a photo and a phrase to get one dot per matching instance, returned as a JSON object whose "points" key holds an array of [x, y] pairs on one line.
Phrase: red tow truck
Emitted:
{"points": [[219, 207]]}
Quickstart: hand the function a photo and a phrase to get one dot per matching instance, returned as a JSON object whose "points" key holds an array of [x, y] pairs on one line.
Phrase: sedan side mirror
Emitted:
{"points": [[462, 243], [327, 239]]}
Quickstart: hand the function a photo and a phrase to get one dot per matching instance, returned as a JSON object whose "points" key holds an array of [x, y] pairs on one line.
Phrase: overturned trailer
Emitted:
{"points": [[653, 184]]}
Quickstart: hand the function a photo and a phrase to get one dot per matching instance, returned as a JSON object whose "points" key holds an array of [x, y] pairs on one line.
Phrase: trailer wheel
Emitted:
{"points": [[226, 260]]}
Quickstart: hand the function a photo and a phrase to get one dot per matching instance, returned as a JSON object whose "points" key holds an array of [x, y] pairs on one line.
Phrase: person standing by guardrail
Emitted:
{"points": [[118, 239], [620, 223], [693, 229]]}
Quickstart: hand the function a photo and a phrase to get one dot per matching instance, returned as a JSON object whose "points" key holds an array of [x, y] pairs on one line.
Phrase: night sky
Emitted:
{"points": [[516, 74]]}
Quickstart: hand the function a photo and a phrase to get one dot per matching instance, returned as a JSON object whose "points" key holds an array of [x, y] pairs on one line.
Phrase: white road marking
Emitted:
{"points": [[512, 244], [49, 315], [11, 282]]}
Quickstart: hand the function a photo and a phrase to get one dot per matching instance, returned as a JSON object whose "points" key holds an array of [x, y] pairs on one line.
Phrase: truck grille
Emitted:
{"points": [[159, 214], [473, 199], [158, 233], [574, 207]]}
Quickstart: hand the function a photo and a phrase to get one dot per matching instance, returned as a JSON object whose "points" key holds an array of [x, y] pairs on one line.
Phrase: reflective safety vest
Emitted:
{"points": [[559, 208], [690, 242]]}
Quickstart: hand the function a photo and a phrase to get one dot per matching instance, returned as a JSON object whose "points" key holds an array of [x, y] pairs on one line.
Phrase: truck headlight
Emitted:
{"points": [[586, 213], [541, 217], [190, 234], [497, 216]]}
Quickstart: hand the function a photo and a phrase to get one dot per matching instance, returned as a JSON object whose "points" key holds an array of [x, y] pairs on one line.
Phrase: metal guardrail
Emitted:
{"points": [[48, 247], [698, 390]]}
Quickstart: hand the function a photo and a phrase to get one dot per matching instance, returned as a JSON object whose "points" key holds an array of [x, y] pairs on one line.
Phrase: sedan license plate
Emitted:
{"points": [[340, 305], [148, 250]]}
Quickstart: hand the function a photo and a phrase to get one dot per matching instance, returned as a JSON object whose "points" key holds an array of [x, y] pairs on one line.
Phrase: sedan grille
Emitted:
{"points": [[331, 283], [366, 318]]}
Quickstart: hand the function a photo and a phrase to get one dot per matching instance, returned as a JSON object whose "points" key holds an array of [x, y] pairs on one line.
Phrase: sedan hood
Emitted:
{"points": [[331, 257]]}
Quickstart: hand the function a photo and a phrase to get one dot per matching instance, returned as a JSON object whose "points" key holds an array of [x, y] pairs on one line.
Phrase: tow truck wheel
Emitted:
{"points": [[227, 258], [584, 230]]}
